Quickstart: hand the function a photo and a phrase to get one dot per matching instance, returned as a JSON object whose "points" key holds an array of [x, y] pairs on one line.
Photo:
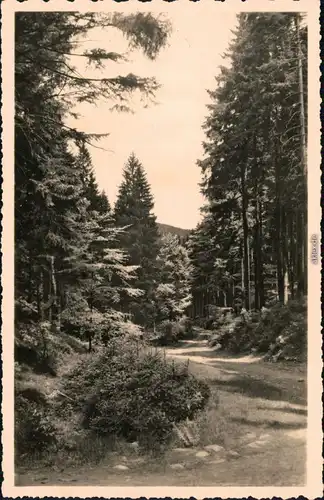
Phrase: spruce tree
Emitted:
{"points": [[253, 170], [56, 197], [98, 201], [133, 210]]}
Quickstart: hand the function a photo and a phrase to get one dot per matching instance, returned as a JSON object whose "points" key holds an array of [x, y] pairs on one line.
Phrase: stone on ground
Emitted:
{"points": [[214, 447], [202, 454], [134, 446], [177, 466], [121, 467], [182, 450], [264, 437], [139, 460], [248, 436], [218, 461], [296, 434], [233, 454], [256, 444]]}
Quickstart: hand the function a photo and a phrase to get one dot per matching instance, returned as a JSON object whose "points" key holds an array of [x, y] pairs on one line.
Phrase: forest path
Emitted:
{"points": [[258, 431], [247, 374]]}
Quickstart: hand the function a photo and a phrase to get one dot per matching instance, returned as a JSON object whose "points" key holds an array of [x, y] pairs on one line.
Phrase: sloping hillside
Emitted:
{"points": [[165, 229]]}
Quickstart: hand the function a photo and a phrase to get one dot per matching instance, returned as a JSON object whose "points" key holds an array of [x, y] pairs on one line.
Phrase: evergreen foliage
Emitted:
{"points": [[66, 252], [251, 245], [135, 394], [133, 211]]}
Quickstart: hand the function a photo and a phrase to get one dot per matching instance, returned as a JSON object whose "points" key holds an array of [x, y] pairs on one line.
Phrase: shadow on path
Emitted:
{"points": [[251, 387], [273, 424]]}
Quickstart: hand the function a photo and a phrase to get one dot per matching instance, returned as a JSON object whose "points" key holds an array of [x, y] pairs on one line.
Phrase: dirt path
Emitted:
{"points": [[258, 431], [247, 374]]}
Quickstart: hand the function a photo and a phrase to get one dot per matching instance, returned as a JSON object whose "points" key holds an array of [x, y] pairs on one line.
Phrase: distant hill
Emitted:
{"points": [[165, 229]]}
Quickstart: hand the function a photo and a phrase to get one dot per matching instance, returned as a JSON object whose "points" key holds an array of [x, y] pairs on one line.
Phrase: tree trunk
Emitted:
{"points": [[303, 151], [91, 318], [50, 292], [278, 225], [256, 274], [260, 258], [291, 253], [303, 154], [284, 248], [41, 296], [249, 274], [242, 274], [279, 259], [225, 299], [299, 254], [30, 277], [245, 239], [257, 249]]}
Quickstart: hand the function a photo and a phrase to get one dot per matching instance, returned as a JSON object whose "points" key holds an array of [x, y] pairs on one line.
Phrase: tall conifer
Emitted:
{"points": [[134, 209]]}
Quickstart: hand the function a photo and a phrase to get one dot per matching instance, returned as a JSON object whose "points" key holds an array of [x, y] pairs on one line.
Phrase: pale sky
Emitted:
{"points": [[167, 137]]}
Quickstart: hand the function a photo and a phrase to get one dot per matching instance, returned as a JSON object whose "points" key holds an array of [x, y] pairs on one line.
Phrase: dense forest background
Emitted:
{"points": [[92, 274]]}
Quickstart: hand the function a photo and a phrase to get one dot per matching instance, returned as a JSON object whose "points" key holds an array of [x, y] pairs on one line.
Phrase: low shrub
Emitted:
{"points": [[200, 322], [74, 343], [188, 327], [170, 332], [134, 393], [121, 329], [34, 430], [278, 332], [282, 331], [36, 347]]}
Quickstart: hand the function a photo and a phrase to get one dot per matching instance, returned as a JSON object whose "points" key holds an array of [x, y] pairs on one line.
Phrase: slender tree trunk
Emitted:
{"points": [[50, 295], [279, 259], [53, 295], [41, 296], [91, 313], [256, 273], [299, 254], [249, 260], [303, 153], [233, 292], [278, 225], [242, 274], [245, 239], [301, 100], [284, 247], [30, 277], [303, 273], [291, 253], [260, 258], [256, 245]]}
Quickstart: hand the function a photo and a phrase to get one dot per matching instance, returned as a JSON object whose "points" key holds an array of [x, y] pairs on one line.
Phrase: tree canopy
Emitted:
{"points": [[252, 235], [63, 258]]}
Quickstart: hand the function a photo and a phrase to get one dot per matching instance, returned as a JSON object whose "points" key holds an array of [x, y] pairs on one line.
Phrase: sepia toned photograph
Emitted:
{"points": [[161, 248]]}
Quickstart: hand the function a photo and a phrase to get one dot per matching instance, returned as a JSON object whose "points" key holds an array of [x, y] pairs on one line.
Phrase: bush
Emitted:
{"points": [[36, 347], [34, 431], [282, 331], [170, 332], [121, 329], [188, 327], [130, 392], [278, 332]]}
